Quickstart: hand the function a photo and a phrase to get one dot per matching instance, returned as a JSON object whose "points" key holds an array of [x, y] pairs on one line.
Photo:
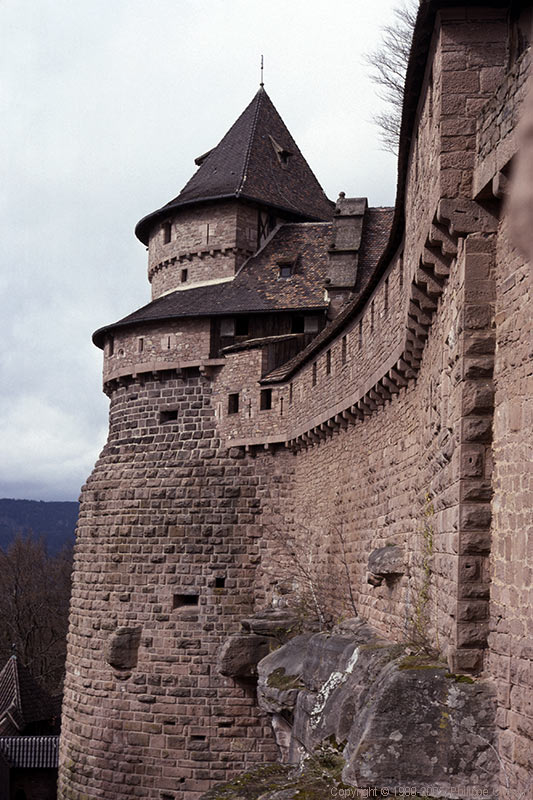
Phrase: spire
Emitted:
{"points": [[257, 160], [262, 81]]}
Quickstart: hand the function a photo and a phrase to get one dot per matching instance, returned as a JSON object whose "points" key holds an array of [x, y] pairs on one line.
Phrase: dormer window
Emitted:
{"points": [[282, 154], [286, 269]]}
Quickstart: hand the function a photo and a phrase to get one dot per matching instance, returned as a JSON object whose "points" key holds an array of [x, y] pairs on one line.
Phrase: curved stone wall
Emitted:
{"points": [[165, 561]]}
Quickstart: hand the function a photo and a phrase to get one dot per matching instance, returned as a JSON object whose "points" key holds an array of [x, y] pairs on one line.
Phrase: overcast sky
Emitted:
{"points": [[104, 106]]}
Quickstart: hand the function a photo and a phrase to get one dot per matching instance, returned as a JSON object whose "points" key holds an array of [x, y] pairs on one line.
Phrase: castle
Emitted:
{"points": [[347, 379]]}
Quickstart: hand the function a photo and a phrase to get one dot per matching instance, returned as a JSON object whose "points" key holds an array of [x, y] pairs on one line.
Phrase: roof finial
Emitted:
{"points": [[262, 83]]}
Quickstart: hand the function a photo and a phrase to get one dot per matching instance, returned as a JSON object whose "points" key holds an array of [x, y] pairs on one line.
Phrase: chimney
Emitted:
{"points": [[344, 250]]}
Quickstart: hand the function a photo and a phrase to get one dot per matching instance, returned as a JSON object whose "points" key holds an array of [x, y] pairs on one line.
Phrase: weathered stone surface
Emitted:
{"points": [[406, 721], [239, 655], [122, 648], [385, 563], [278, 623]]}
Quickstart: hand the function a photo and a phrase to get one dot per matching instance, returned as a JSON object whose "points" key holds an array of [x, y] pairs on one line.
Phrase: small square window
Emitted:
{"points": [[185, 600], [233, 403], [286, 269], [220, 583], [170, 415], [266, 400]]}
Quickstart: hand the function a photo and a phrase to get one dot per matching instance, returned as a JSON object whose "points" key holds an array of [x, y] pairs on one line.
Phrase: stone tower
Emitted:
{"points": [[167, 541]]}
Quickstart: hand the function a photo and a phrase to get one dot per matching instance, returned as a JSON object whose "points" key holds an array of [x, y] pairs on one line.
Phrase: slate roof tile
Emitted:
{"points": [[257, 287], [22, 701], [256, 160]]}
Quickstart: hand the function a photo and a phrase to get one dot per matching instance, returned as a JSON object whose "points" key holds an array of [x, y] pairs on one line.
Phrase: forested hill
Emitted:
{"points": [[54, 521]]}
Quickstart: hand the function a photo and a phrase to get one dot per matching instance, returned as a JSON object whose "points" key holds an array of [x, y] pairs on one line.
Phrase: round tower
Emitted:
{"points": [[167, 539], [253, 180]]}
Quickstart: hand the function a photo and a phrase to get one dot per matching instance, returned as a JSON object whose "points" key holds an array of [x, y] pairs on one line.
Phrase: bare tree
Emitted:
{"points": [[388, 63], [34, 601], [315, 563]]}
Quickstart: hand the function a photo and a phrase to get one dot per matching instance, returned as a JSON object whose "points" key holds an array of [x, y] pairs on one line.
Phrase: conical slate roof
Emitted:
{"points": [[256, 160]]}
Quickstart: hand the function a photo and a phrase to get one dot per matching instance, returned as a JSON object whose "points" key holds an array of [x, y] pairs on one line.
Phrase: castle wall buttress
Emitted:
{"points": [[511, 637], [165, 561]]}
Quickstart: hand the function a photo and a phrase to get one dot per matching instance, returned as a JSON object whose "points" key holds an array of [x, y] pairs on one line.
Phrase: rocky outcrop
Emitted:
{"points": [[261, 633], [399, 719]]}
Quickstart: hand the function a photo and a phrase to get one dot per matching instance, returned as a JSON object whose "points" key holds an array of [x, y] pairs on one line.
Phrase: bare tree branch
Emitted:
{"points": [[388, 63]]}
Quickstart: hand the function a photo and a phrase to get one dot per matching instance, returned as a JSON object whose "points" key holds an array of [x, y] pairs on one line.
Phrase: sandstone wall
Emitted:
{"points": [[383, 437], [173, 344], [165, 561], [207, 242], [511, 638]]}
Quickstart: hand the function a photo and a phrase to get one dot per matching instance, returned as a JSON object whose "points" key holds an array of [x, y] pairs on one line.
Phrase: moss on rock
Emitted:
{"points": [[280, 680], [314, 779]]}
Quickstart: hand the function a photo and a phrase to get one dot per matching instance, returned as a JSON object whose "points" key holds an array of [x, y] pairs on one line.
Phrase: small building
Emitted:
{"points": [[29, 736]]}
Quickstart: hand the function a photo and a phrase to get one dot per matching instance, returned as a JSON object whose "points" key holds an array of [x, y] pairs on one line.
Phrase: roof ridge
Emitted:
{"points": [[18, 696], [261, 93]]}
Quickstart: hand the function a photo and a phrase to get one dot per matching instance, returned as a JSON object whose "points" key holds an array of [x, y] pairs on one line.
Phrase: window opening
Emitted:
{"points": [[360, 333], [281, 406], [169, 415], [241, 326], [184, 275], [265, 401], [311, 324], [220, 583], [290, 394], [344, 349], [386, 297], [227, 327], [314, 374], [233, 403], [110, 346], [297, 324], [167, 232], [371, 316], [328, 362], [286, 269], [282, 153], [141, 344], [401, 270], [185, 600]]}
